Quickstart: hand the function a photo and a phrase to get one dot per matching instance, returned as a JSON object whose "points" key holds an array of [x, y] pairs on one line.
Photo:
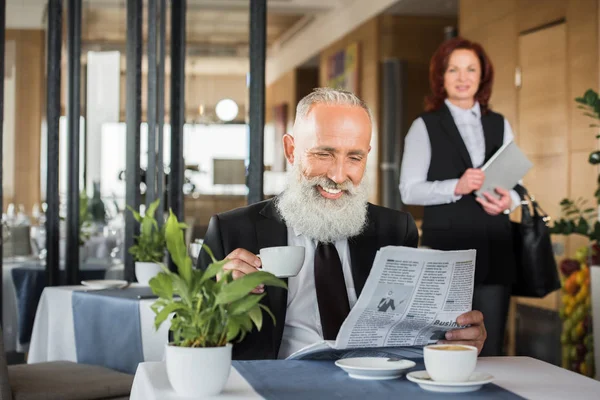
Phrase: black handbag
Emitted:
{"points": [[537, 274]]}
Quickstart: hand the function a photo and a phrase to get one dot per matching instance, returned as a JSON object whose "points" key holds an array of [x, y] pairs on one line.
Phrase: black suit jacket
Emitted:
{"points": [[259, 225]]}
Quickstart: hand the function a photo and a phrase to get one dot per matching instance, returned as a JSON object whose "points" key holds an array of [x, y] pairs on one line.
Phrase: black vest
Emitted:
{"points": [[464, 224]]}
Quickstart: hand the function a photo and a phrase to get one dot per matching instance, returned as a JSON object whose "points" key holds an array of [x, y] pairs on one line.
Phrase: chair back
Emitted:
{"points": [[5, 391]]}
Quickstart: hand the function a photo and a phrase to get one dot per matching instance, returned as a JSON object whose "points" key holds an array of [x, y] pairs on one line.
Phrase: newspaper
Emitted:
{"points": [[410, 299]]}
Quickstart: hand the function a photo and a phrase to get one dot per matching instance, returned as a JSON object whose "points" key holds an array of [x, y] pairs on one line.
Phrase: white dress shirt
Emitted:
{"points": [[302, 320], [414, 186]]}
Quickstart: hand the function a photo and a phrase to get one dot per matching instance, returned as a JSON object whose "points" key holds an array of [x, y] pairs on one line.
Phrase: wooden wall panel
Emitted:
{"points": [[543, 122], [499, 39], [533, 14], [29, 109], [281, 91], [474, 14], [426, 34], [582, 51]]}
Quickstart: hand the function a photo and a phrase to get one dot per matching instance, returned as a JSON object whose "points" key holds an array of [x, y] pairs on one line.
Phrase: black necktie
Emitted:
{"points": [[331, 290]]}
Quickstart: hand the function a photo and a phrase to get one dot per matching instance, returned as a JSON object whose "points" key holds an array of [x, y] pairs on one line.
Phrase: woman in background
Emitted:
{"points": [[443, 153]]}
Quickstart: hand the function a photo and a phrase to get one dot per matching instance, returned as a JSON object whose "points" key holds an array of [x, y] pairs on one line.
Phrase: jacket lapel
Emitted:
{"points": [[362, 254], [488, 134], [452, 131], [271, 231]]}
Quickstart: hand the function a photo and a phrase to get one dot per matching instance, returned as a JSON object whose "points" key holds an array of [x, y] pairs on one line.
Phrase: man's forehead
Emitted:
{"points": [[326, 120]]}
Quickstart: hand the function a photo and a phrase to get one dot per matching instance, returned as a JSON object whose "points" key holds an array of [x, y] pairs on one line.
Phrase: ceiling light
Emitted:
{"points": [[226, 110]]}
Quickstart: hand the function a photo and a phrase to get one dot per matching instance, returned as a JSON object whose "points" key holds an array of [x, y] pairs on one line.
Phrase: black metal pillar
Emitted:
{"points": [[258, 38], [2, 32], [151, 108], [160, 176], [393, 82], [178, 11], [133, 121], [73, 113], [53, 55]]}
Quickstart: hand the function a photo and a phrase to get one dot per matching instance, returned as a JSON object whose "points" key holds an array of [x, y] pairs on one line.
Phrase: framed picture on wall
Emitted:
{"points": [[280, 113], [343, 69]]}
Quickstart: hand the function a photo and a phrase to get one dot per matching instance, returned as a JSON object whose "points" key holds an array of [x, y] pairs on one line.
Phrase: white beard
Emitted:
{"points": [[324, 220]]}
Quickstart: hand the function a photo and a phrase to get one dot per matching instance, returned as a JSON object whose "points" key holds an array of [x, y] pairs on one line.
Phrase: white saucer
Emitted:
{"points": [[375, 368], [475, 382], [104, 284]]}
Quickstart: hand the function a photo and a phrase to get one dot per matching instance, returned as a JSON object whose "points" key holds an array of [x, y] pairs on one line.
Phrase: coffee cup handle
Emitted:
{"points": [[258, 255]]}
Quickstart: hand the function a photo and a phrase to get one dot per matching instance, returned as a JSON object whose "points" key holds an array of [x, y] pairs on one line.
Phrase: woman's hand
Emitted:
{"points": [[471, 180], [494, 206]]}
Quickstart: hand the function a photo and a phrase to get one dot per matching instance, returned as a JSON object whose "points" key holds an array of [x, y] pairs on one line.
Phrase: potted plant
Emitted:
{"points": [[579, 218], [149, 248], [208, 315]]}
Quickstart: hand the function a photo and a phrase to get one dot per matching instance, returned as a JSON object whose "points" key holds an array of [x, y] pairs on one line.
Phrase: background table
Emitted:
{"points": [[53, 336], [524, 376], [25, 295]]}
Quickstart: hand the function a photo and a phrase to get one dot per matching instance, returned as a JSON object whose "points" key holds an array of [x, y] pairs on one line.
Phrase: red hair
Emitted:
{"points": [[439, 64]]}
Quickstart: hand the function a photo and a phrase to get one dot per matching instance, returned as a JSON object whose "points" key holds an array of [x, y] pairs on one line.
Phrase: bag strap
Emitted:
{"points": [[526, 200]]}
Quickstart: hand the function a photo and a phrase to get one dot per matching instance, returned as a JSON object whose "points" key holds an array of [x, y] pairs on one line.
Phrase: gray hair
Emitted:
{"points": [[329, 96]]}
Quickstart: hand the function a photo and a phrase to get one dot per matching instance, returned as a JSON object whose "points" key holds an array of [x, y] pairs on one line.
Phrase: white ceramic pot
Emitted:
{"points": [[144, 271], [196, 372]]}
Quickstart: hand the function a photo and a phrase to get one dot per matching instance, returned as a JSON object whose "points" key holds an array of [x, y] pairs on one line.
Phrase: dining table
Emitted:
{"points": [[110, 327], [513, 378]]}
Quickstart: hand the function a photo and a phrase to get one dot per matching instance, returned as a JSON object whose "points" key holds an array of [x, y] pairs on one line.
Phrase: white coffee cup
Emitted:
{"points": [[283, 261], [450, 362]]}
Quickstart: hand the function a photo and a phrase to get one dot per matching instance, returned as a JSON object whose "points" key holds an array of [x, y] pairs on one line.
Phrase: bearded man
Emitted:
{"points": [[325, 209]]}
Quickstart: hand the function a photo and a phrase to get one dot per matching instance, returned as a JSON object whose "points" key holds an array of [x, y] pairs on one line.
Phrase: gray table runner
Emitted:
{"points": [[290, 380], [107, 328]]}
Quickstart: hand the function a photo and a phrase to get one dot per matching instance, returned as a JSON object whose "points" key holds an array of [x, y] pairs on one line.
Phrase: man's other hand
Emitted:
{"points": [[474, 335]]}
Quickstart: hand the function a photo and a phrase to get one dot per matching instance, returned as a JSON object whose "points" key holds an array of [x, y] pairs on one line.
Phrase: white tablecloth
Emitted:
{"points": [[527, 377], [53, 336], [10, 311]]}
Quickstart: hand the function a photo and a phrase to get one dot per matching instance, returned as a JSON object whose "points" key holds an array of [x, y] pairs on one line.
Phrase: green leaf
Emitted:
{"points": [[162, 285], [255, 314], [590, 97], [594, 157], [165, 312], [588, 210], [580, 100], [213, 269], [152, 208], [268, 312], [243, 305], [209, 252], [233, 330], [136, 215], [245, 321], [244, 285], [582, 227], [177, 248]]}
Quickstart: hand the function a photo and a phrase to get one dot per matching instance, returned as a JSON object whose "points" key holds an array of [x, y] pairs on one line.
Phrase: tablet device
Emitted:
{"points": [[504, 169]]}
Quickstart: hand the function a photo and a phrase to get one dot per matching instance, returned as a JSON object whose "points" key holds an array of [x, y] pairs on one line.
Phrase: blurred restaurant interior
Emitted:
{"points": [[116, 103]]}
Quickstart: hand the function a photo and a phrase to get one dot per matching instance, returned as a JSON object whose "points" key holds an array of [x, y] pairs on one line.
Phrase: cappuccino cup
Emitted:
{"points": [[283, 261], [450, 362]]}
